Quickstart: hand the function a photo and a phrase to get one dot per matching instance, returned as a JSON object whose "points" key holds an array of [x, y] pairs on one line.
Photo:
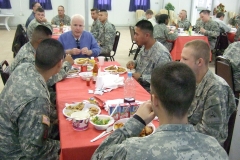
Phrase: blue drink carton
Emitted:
{"points": [[133, 108], [116, 113], [124, 112]]}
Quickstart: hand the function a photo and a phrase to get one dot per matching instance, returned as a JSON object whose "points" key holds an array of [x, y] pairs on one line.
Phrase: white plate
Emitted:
{"points": [[124, 120], [77, 59], [114, 71], [85, 108]]}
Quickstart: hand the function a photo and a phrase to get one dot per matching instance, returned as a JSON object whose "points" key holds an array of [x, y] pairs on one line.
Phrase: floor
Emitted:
{"points": [[6, 39]]}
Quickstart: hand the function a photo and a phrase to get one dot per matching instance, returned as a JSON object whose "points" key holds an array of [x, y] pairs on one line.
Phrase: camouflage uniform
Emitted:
{"points": [[212, 106], [65, 20], [198, 23], [147, 60], [95, 28], [26, 54], [106, 37], [185, 24], [162, 34], [33, 24], [24, 122], [237, 35], [212, 31], [237, 21], [168, 142], [232, 54]]}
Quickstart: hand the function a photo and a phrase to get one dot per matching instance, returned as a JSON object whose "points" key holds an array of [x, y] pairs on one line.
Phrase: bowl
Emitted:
{"points": [[54, 26], [124, 120], [85, 75], [102, 117], [80, 120]]}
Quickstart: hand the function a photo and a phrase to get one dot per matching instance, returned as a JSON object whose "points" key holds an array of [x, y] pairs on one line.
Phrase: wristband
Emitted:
{"points": [[139, 119]]}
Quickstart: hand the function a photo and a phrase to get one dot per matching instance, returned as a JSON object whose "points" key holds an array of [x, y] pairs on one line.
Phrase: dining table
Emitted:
{"points": [[181, 40], [76, 144]]}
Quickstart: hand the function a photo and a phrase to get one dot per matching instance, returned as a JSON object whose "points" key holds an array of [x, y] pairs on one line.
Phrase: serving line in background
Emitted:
{"points": [[75, 144], [6, 17], [182, 39]]}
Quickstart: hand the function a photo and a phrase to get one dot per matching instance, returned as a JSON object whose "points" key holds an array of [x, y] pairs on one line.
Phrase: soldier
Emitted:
{"points": [[237, 35], [78, 42], [184, 22], [214, 101], [39, 19], [25, 107], [61, 19], [208, 28], [235, 21], [149, 17], [162, 34], [172, 91], [107, 33], [223, 26], [151, 55], [96, 23], [232, 54], [35, 6]]}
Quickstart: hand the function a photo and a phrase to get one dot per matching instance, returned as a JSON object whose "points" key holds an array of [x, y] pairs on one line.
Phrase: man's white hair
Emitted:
{"points": [[78, 16]]}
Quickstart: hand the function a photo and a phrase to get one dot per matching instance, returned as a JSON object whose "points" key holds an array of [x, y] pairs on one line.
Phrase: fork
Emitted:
{"points": [[108, 131]]}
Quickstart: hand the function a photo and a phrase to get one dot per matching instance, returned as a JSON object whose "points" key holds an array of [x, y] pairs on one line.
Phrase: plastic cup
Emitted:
{"points": [[101, 60]]}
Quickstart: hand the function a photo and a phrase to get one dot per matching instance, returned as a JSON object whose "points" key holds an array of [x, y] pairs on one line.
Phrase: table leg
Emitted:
{"points": [[6, 23]]}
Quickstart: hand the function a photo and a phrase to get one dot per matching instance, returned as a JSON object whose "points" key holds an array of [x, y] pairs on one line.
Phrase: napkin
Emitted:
{"points": [[109, 81]]}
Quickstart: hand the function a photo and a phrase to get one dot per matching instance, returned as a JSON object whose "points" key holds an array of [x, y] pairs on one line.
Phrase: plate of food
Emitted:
{"points": [[115, 69], [92, 109], [147, 130], [81, 61]]}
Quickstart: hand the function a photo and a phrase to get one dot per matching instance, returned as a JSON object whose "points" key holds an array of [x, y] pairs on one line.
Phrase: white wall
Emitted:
{"points": [[120, 16]]}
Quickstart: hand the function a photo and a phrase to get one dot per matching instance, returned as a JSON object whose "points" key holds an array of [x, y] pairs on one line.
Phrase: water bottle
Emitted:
{"points": [[129, 89]]}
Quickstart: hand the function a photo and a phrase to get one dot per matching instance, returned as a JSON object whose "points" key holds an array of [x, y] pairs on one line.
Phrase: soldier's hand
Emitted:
{"points": [[130, 65], [44, 19], [145, 112], [136, 76], [202, 30], [75, 51], [69, 59]]}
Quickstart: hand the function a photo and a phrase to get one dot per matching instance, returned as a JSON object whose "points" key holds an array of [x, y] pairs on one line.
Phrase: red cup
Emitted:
{"points": [[83, 68]]}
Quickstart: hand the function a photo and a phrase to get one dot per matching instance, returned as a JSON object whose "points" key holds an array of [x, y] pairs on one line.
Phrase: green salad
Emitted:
{"points": [[98, 121]]}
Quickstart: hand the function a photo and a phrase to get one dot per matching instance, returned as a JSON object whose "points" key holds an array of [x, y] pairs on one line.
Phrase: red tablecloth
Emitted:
{"points": [[74, 144], [179, 44], [231, 36], [56, 33]]}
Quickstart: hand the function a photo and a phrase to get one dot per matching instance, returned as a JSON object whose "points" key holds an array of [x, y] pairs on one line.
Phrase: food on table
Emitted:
{"points": [[115, 69], [93, 111], [147, 130], [82, 60], [98, 121], [73, 70], [74, 108]]}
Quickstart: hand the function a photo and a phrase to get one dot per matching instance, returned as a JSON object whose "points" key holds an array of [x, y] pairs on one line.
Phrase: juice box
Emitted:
{"points": [[116, 113], [133, 108], [124, 110]]}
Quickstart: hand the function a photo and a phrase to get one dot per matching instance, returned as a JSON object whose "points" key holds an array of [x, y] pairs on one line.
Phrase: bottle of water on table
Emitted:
{"points": [[129, 89]]}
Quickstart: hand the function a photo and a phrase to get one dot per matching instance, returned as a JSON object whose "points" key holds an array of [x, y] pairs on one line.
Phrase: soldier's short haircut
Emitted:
{"points": [[174, 85], [205, 11], [220, 14], [146, 26], [41, 32], [162, 18], [34, 3], [103, 10], [94, 9], [149, 11], [61, 6], [49, 53], [200, 49], [39, 9]]}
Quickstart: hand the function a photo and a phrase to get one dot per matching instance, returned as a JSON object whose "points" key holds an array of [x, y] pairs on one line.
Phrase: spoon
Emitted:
{"points": [[108, 131]]}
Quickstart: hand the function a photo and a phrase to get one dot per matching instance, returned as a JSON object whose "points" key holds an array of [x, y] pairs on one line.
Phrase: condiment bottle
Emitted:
{"points": [[95, 72]]}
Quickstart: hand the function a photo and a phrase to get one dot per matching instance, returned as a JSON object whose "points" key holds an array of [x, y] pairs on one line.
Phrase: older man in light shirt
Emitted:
{"points": [[222, 24]]}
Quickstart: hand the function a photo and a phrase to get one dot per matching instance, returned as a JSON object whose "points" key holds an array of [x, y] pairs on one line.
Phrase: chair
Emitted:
{"points": [[221, 43], [131, 28], [114, 50], [19, 40], [139, 14], [137, 51], [4, 71], [223, 68]]}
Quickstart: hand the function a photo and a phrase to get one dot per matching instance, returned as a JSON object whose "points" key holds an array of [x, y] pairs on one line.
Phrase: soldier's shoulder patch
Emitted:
{"points": [[46, 120]]}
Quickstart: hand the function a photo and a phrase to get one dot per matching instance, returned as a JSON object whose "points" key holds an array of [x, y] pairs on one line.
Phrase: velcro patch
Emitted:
{"points": [[46, 120]]}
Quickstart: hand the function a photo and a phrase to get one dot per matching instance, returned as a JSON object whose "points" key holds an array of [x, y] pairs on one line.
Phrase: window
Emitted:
{"points": [[5, 4], [139, 4], [102, 4], [46, 4]]}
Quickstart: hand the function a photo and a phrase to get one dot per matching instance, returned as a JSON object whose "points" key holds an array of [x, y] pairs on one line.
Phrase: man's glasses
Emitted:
{"points": [[78, 44]]}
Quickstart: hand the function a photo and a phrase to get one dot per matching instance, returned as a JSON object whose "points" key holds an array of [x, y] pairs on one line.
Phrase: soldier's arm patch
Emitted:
{"points": [[46, 120]]}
